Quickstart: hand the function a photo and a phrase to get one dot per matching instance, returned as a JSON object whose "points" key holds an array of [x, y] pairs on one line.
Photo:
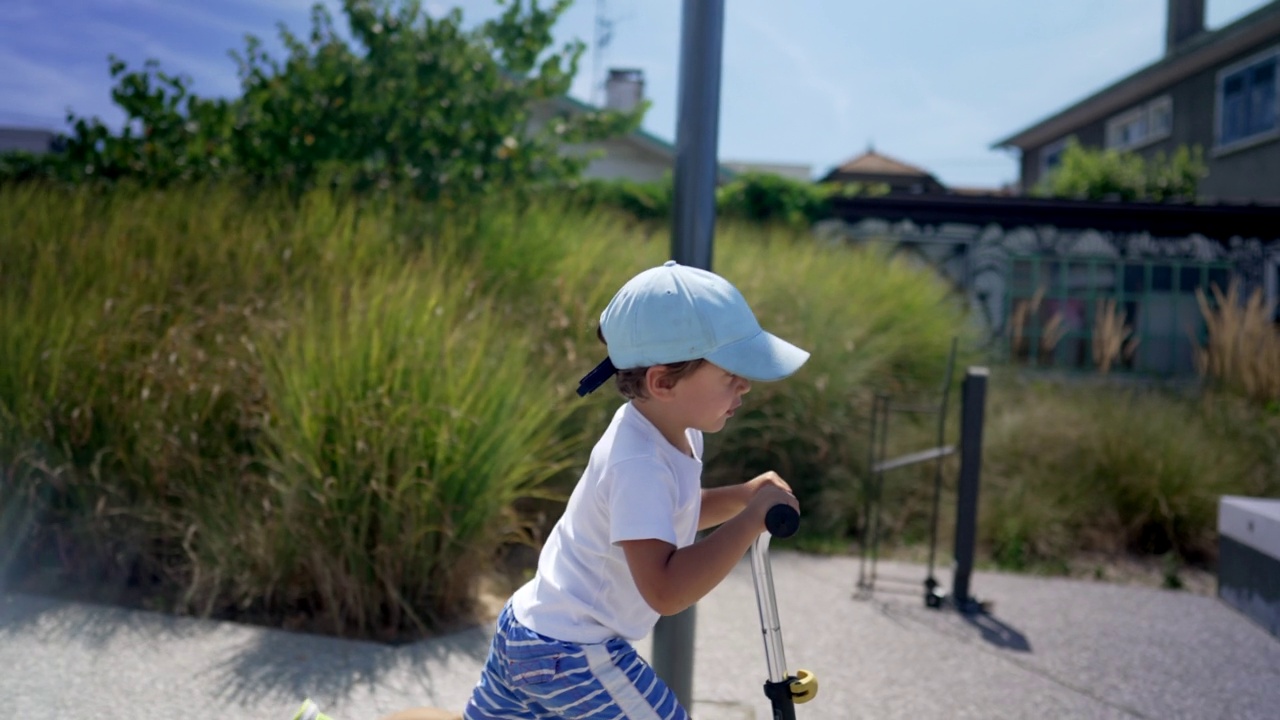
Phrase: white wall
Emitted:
{"points": [[27, 140], [621, 157]]}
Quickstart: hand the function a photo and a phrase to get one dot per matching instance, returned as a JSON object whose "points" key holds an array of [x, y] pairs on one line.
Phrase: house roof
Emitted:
{"points": [[874, 163], [1197, 54]]}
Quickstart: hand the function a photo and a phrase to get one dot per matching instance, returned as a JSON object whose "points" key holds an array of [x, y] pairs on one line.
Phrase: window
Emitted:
{"points": [[1247, 101], [1141, 125], [1160, 114], [1051, 156]]}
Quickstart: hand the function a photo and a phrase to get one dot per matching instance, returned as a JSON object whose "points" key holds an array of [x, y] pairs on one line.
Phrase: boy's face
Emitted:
{"points": [[706, 398]]}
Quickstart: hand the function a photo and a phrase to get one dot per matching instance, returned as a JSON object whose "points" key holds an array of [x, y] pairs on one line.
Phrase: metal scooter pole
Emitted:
{"points": [[782, 689]]}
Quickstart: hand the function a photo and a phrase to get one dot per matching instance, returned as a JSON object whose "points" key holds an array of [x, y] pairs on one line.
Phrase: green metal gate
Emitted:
{"points": [[1108, 314]]}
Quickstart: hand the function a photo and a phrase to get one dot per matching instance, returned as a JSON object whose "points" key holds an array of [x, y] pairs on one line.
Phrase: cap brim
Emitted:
{"points": [[763, 357]]}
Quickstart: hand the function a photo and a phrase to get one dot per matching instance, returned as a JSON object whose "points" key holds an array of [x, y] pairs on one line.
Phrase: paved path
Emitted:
{"points": [[1051, 648]]}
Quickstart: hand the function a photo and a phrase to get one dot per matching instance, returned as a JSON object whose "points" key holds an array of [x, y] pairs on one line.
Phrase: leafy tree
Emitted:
{"points": [[1092, 174], [411, 100], [170, 134]]}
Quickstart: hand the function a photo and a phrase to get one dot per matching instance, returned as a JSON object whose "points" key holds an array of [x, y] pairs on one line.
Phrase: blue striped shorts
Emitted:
{"points": [[529, 676]]}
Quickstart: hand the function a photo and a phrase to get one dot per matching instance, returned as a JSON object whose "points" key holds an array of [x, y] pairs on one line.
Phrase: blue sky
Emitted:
{"points": [[931, 82]]}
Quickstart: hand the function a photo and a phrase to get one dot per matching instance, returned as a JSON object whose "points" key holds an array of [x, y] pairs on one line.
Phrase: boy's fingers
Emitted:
{"points": [[773, 478]]}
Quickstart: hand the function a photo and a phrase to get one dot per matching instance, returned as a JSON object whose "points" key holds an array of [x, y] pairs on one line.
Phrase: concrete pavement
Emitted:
{"points": [[1051, 648]]}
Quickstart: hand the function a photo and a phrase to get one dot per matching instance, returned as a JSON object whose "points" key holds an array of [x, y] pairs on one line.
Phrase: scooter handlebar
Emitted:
{"points": [[782, 520]]}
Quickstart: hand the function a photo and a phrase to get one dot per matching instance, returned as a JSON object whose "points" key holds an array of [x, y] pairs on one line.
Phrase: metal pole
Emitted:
{"points": [[673, 653], [973, 395], [697, 133], [692, 229]]}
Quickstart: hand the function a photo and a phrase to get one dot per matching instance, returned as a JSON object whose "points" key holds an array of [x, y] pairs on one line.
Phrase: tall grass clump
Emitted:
{"points": [[1242, 353], [126, 382], [406, 424]]}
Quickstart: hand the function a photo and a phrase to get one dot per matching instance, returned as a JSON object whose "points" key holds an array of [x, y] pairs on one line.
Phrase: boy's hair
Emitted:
{"points": [[631, 382]]}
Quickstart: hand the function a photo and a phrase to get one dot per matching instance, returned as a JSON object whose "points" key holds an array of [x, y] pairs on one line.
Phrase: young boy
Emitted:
{"points": [[685, 347]]}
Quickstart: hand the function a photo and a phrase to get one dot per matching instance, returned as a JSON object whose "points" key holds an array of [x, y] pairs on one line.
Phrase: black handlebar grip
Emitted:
{"points": [[782, 520]]}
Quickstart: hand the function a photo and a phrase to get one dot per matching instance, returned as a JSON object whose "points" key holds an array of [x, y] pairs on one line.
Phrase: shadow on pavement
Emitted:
{"points": [[243, 664], [60, 620], [950, 621], [294, 665], [997, 633]]}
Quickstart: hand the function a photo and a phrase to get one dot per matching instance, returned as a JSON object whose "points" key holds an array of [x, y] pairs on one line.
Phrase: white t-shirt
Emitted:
{"points": [[636, 486]]}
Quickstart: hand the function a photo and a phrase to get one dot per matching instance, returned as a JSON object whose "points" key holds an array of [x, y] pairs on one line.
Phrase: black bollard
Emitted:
{"points": [[973, 397]]}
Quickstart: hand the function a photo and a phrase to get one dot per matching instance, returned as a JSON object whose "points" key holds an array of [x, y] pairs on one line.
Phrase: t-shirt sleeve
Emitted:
{"points": [[642, 502]]}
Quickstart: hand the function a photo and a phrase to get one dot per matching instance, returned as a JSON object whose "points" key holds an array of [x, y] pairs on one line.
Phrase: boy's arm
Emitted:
{"points": [[671, 579], [722, 503]]}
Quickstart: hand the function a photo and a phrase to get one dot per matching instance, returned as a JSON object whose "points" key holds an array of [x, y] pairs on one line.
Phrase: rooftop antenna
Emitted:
{"points": [[604, 35]]}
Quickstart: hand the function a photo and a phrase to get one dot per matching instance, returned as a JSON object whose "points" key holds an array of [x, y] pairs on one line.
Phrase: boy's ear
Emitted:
{"points": [[658, 382]]}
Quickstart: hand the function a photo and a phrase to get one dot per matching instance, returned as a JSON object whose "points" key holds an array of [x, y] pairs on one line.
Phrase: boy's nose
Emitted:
{"points": [[744, 386]]}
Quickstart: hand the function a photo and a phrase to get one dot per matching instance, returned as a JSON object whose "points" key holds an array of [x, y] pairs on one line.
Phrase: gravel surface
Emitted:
{"points": [[1053, 648]]}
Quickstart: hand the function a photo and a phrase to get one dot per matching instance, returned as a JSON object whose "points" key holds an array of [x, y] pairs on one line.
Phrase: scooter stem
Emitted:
{"points": [[782, 689], [767, 603]]}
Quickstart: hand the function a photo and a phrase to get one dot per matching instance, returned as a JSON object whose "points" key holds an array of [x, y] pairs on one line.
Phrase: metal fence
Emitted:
{"points": [[1083, 313]]}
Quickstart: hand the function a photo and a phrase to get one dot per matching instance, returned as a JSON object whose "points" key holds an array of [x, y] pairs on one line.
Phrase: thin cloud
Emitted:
{"points": [[808, 71], [212, 75], [49, 75], [40, 94], [197, 15]]}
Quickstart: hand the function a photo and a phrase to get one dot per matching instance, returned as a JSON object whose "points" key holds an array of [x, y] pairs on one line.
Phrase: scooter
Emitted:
{"points": [[783, 690]]}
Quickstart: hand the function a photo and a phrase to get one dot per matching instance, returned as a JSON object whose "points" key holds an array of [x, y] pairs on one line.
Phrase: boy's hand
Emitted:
{"points": [[768, 490], [721, 504]]}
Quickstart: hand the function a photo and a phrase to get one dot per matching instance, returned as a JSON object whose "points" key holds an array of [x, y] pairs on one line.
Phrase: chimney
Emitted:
{"points": [[1185, 21], [624, 90]]}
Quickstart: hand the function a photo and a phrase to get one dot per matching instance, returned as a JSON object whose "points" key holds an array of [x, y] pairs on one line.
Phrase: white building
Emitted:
{"points": [[30, 140]]}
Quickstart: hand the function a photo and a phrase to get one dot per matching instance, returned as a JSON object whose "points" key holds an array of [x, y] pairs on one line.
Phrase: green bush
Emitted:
{"points": [[1114, 470], [750, 198], [242, 403], [223, 398], [641, 200], [1092, 174], [764, 197]]}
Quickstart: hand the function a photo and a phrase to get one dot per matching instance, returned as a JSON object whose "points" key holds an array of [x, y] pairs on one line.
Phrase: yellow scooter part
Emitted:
{"points": [[310, 711], [805, 687]]}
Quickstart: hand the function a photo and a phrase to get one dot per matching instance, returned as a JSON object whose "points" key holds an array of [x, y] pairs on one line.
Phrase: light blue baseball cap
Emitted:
{"points": [[674, 313]]}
